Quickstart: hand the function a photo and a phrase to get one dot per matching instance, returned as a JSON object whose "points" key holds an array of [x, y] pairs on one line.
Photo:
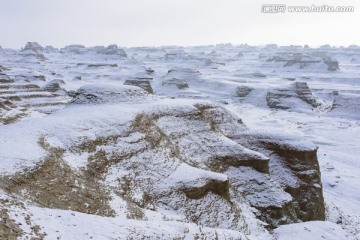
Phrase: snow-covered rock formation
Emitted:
{"points": [[209, 144]]}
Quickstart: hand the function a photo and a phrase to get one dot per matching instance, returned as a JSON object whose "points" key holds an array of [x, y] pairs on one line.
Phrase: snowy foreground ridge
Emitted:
{"points": [[207, 142]]}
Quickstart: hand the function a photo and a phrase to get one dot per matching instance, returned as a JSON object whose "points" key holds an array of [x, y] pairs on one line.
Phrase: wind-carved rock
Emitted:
{"points": [[33, 50], [332, 64], [305, 94], [34, 46], [114, 50], [284, 98]]}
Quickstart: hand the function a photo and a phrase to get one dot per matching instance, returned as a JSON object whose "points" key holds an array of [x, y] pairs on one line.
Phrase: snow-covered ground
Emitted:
{"points": [[263, 86]]}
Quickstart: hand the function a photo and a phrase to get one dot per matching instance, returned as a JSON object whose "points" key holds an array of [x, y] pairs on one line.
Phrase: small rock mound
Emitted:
{"points": [[179, 83], [243, 91], [183, 73], [54, 85]]}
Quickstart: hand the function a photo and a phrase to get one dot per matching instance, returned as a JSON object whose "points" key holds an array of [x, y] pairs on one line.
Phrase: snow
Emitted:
{"points": [[213, 74], [186, 176], [311, 230], [74, 225]]}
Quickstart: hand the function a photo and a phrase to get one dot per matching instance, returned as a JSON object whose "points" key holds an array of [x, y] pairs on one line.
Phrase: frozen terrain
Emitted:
{"points": [[206, 142]]}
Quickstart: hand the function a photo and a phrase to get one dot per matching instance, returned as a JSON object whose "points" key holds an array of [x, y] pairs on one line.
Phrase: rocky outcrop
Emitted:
{"points": [[144, 84], [33, 50], [274, 99], [304, 166], [19, 98], [292, 97], [8, 227], [304, 93], [54, 85], [5, 78], [183, 72], [306, 60], [33, 46], [179, 157], [243, 91], [114, 50], [101, 94], [99, 65], [294, 164], [259, 75], [150, 71], [332, 64]]}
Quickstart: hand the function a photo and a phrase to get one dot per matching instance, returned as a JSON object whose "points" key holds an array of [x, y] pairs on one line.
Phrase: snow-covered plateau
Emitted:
{"points": [[206, 142]]}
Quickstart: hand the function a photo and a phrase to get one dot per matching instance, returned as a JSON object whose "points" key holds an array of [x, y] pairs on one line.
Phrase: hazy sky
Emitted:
{"points": [[172, 22]]}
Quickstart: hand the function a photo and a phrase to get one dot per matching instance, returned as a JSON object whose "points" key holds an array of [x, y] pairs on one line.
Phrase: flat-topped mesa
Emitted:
{"points": [[102, 94], [74, 48]]}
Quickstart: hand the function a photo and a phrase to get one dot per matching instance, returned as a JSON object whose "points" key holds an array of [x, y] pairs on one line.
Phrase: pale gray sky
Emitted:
{"points": [[172, 22]]}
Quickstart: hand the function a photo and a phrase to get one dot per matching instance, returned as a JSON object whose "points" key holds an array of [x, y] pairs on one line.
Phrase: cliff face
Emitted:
{"points": [[297, 170], [188, 162], [292, 162]]}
